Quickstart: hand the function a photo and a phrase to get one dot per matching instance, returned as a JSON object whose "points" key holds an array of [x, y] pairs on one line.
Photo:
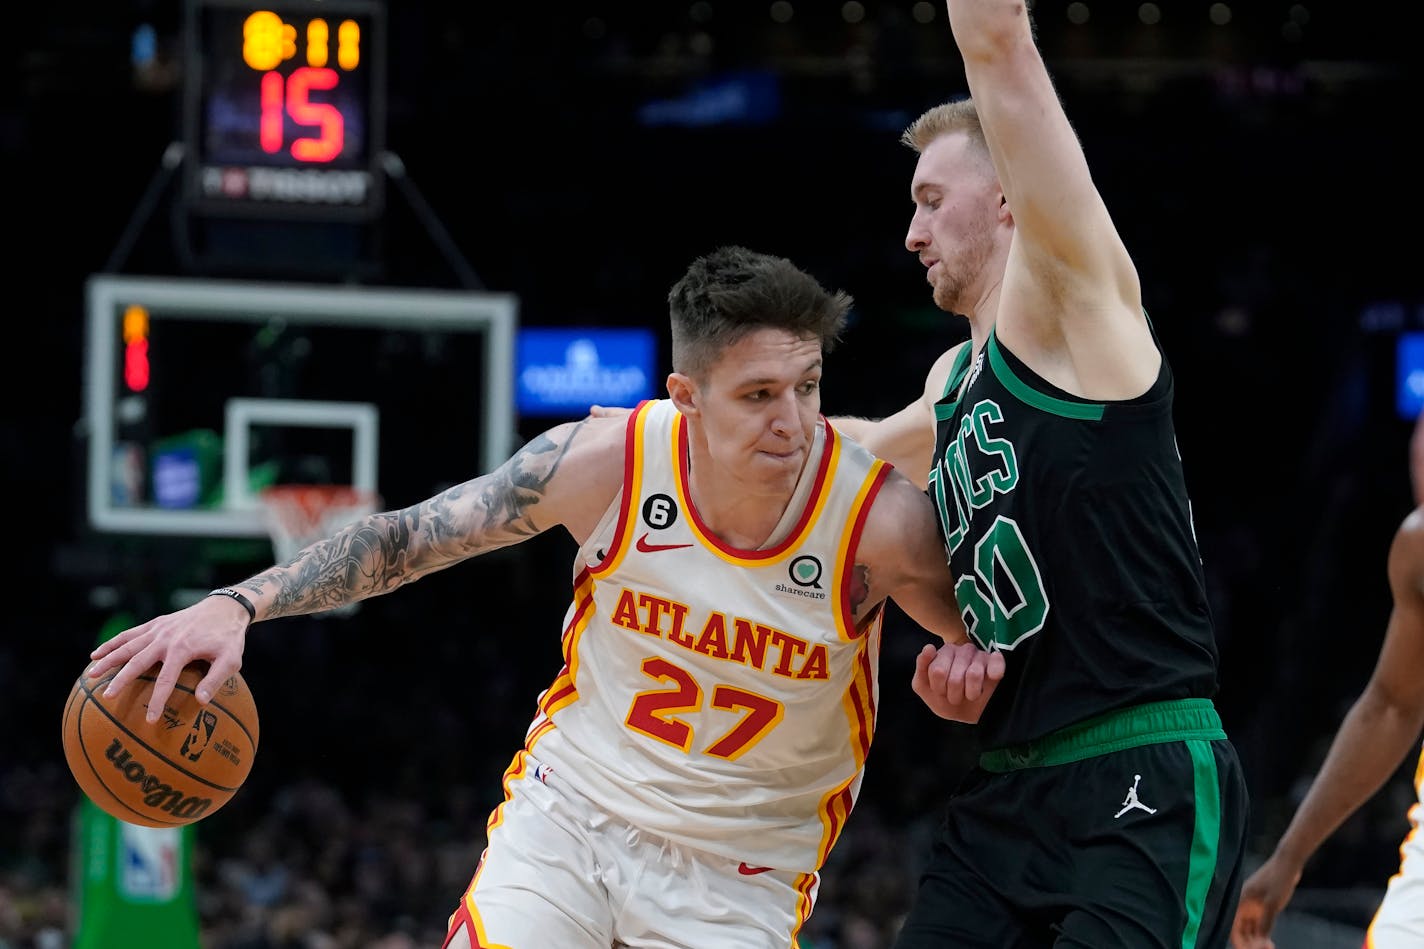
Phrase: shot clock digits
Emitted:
{"points": [[285, 108], [267, 43]]}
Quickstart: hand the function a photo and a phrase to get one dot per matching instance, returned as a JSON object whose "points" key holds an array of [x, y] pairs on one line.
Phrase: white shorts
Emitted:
{"points": [[1399, 924], [560, 872]]}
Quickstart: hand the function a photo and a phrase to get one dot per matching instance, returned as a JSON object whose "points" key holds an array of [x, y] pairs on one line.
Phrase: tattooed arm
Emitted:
{"points": [[565, 477], [901, 557]]}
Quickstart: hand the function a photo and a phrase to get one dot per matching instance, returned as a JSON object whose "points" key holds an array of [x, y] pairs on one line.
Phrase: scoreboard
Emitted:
{"points": [[284, 108]]}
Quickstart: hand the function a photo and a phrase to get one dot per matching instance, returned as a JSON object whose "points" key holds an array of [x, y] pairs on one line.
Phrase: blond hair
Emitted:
{"points": [[957, 116]]}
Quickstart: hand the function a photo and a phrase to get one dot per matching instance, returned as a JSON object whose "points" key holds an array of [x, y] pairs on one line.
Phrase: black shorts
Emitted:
{"points": [[1126, 833]]}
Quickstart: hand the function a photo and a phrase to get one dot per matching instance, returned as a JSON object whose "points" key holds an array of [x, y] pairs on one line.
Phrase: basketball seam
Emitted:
{"points": [[236, 720], [144, 817], [154, 751], [221, 707]]}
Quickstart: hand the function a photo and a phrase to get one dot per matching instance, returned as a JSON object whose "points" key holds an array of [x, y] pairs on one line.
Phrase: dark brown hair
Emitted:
{"points": [[728, 293]]}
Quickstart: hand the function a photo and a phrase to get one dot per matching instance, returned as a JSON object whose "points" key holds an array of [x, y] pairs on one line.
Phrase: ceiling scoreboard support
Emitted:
{"points": [[284, 108]]}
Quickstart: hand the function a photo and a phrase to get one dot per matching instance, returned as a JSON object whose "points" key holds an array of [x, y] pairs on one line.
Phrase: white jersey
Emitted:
{"points": [[721, 698], [1399, 924]]}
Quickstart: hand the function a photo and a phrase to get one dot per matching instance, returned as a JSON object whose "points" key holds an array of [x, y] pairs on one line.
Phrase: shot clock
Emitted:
{"points": [[284, 108]]}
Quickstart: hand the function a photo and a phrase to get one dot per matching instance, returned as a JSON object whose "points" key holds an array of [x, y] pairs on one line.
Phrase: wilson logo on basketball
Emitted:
{"points": [[158, 795]]}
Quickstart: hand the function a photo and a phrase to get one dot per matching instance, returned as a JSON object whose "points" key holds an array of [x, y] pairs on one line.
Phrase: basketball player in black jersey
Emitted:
{"points": [[1108, 809]]}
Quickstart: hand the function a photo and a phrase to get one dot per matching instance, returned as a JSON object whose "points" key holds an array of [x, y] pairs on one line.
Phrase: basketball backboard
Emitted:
{"points": [[198, 393]]}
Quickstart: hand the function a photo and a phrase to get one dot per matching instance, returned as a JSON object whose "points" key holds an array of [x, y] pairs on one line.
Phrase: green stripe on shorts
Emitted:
{"points": [[1193, 722], [1206, 833]]}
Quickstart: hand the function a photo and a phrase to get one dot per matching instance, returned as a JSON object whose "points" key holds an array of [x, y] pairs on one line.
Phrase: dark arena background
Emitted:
{"points": [[563, 163]]}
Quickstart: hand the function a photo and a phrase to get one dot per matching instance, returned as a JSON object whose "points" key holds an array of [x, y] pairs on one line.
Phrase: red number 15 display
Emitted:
{"points": [[284, 112]]}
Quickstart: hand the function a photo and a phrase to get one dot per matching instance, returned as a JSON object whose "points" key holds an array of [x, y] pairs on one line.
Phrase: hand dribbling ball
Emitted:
{"points": [[175, 771]]}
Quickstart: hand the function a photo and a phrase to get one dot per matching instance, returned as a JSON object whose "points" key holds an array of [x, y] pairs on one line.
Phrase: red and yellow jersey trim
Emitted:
{"points": [[859, 698], [830, 457], [835, 811], [850, 542], [563, 692], [633, 449], [467, 916]]}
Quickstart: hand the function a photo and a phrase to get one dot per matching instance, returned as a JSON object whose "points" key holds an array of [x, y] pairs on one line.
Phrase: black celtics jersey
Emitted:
{"points": [[1070, 535]]}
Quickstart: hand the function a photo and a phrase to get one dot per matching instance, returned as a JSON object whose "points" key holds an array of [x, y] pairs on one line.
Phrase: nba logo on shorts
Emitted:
{"points": [[148, 862]]}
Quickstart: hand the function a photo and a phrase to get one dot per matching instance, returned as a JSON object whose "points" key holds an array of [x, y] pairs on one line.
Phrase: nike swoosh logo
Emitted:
{"points": [[747, 871], [648, 548]]}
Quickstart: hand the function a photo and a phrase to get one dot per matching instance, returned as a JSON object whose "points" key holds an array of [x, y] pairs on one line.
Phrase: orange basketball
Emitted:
{"points": [[175, 771]]}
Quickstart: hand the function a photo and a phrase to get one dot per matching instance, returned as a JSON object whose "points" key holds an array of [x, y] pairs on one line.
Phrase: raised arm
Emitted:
{"points": [[1378, 732], [1071, 302], [565, 477]]}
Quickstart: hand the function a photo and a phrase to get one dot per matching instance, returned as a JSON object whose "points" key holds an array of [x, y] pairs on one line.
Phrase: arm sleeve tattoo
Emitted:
{"points": [[387, 550]]}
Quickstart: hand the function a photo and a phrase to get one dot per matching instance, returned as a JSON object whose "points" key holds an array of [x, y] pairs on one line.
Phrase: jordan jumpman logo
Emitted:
{"points": [[1132, 800]]}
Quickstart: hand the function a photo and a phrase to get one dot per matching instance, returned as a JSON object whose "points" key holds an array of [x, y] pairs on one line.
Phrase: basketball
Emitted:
{"points": [[175, 771]]}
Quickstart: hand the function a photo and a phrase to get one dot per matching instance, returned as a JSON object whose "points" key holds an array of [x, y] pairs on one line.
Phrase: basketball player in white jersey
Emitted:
{"points": [[692, 764], [1378, 732]]}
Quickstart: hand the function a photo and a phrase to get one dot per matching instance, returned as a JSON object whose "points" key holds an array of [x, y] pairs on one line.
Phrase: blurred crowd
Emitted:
{"points": [[308, 867]]}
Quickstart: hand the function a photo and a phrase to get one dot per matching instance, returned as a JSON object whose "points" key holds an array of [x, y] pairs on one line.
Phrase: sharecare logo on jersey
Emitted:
{"points": [[805, 572], [808, 594]]}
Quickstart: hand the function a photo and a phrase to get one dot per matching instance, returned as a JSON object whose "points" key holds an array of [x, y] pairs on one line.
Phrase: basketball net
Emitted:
{"points": [[297, 515]]}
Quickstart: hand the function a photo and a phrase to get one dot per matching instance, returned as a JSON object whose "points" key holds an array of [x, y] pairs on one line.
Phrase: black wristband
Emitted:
{"points": [[233, 594]]}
